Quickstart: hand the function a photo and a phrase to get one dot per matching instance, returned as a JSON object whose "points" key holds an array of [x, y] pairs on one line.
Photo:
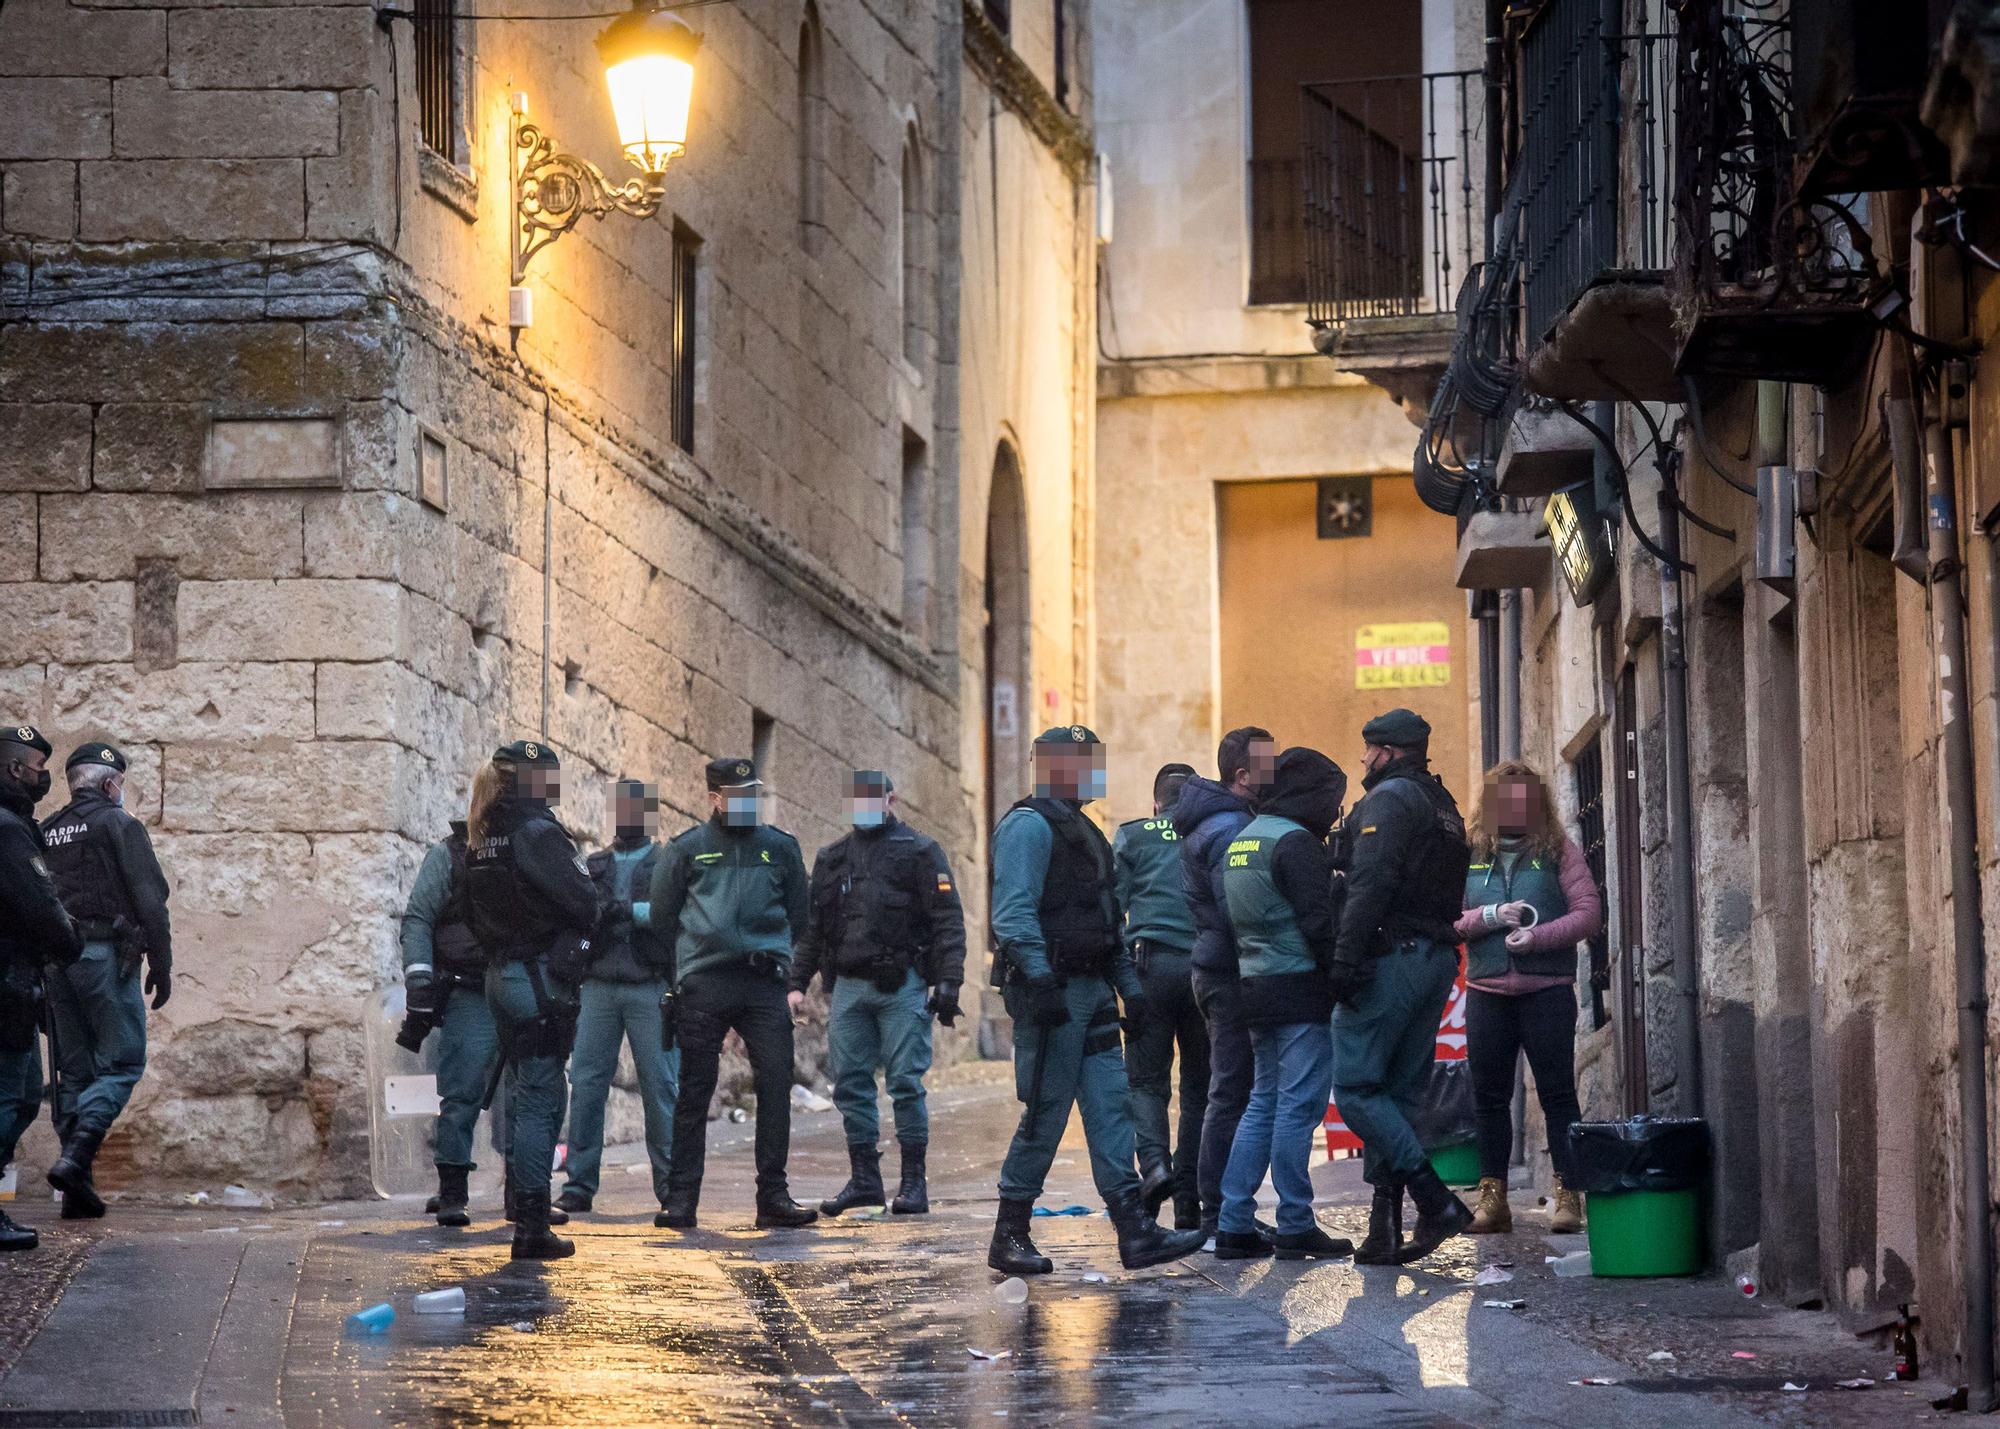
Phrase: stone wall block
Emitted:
{"points": [[39, 200], [344, 787], [149, 446], [153, 120], [54, 37], [208, 1140], [376, 440], [194, 198], [228, 875], [301, 47], [22, 690], [378, 700], [350, 194], [288, 620], [228, 1056], [104, 536], [351, 359], [54, 118], [243, 363], [85, 621], [359, 535], [47, 446], [191, 702]]}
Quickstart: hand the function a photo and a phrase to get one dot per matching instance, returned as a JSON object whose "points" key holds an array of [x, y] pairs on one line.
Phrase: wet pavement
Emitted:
{"points": [[238, 1318]]}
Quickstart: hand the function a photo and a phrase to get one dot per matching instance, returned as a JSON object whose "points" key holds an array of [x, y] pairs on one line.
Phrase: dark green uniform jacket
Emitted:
{"points": [[525, 885], [108, 878], [1146, 861], [883, 901], [1055, 909], [34, 929], [436, 936], [724, 896]]}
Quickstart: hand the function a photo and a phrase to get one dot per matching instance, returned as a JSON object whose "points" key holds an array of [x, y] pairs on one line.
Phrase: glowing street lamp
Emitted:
{"points": [[648, 58]]}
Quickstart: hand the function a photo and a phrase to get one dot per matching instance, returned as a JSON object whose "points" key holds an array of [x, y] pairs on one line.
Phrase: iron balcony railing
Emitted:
{"points": [[1277, 232], [1392, 217], [1578, 221]]}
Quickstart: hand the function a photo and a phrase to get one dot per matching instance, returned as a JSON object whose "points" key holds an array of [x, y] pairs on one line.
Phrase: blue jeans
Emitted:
{"points": [[612, 1012], [1080, 1063], [467, 1045], [537, 1091], [20, 1095], [1386, 1045], [869, 1029], [100, 1017], [1294, 1073]]}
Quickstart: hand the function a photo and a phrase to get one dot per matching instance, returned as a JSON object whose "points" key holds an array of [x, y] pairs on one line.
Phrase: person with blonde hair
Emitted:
{"points": [[1529, 900]]}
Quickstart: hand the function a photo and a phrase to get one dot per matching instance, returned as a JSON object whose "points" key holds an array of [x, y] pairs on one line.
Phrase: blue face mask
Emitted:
{"points": [[740, 813], [1095, 784], [868, 817]]}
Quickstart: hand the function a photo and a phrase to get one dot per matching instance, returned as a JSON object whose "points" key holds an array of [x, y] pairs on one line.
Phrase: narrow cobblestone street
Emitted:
{"points": [[237, 1318]]}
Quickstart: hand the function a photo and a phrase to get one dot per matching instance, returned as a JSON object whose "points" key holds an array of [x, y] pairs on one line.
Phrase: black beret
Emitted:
{"points": [[1400, 729], [1071, 734], [97, 753], [733, 772], [527, 751], [874, 781], [26, 734]]}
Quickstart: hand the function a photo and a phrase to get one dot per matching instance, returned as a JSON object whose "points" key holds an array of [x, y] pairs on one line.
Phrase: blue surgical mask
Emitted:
{"points": [[867, 817], [1096, 784], [740, 813]]}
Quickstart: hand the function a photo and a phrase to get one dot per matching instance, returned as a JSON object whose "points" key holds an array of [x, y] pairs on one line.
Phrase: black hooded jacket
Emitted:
{"points": [[1308, 789], [1404, 852], [1207, 816]]}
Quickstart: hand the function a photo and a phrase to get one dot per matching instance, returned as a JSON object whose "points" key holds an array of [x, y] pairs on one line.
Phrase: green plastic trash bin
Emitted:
{"points": [[1456, 1165], [1643, 1233]]}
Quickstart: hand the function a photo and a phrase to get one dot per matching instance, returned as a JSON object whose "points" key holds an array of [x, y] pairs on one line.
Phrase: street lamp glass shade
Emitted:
{"points": [[648, 60]]}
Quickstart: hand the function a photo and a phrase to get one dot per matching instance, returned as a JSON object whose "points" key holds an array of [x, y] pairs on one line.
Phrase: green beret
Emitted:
{"points": [[1400, 729], [26, 734], [97, 753], [527, 751], [1069, 734], [732, 772]]}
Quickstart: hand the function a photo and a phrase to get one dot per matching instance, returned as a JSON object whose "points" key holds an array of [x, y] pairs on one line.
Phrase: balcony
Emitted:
{"points": [[1391, 222], [1595, 319], [1770, 279], [1858, 69]]}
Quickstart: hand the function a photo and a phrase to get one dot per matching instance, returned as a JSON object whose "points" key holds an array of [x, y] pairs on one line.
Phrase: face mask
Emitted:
{"points": [[740, 813], [867, 817], [1095, 784], [36, 786]]}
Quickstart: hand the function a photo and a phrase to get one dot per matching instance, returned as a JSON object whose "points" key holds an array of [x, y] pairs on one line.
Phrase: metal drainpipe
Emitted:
{"points": [[1680, 805], [1947, 598], [1489, 687], [1510, 674]]}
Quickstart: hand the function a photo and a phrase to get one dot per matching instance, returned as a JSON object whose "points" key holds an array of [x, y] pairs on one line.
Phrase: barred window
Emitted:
{"points": [[437, 73]]}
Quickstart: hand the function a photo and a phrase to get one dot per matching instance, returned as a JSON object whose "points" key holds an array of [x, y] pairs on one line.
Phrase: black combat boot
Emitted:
{"points": [[533, 1240], [1312, 1244], [71, 1175], [1141, 1239], [678, 1213], [557, 1215], [913, 1197], [449, 1204], [864, 1182], [1012, 1252], [1440, 1215], [1154, 1188], [14, 1236], [1187, 1213], [779, 1212], [572, 1199], [1384, 1241], [431, 1206]]}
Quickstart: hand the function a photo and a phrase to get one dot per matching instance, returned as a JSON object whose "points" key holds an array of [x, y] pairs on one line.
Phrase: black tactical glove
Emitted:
{"points": [[410, 1036], [943, 1003], [421, 998], [159, 981], [1042, 1002], [1349, 978], [1137, 1010]]}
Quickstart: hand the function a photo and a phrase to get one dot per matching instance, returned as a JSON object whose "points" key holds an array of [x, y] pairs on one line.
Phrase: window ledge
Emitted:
{"points": [[440, 177]]}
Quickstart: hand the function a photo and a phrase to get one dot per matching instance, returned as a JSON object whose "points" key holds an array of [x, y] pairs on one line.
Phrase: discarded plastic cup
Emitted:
{"points": [[1011, 1291], [1576, 1263], [242, 1198], [1747, 1286], [372, 1321], [441, 1302]]}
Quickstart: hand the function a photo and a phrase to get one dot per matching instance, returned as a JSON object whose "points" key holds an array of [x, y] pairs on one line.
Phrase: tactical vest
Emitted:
{"points": [[454, 945], [1434, 887], [877, 901], [78, 852], [1268, 940], [508, 916], [1078, 911], [1536, 881]]}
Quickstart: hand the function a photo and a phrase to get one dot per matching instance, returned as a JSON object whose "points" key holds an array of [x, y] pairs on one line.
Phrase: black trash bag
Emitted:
{"points": [[1646, 1153], [1445, 1117]]}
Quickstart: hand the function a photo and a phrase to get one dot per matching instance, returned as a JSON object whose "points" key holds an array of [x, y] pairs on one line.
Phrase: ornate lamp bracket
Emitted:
{"points": [[553, 192]]}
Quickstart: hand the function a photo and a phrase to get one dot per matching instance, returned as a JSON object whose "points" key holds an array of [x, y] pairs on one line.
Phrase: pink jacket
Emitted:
{"points": [[1585, 918]]}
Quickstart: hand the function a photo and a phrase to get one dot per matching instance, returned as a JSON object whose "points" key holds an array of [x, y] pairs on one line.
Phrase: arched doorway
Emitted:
{"points": [[1008, 704]]}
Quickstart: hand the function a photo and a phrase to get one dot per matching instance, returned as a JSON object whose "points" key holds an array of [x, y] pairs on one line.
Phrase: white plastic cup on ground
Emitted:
{"points": [[441, 1302], [1011, 1291]]}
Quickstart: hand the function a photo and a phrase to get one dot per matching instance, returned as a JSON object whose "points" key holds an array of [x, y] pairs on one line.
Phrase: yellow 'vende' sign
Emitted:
{"points": [[1409, 653]]}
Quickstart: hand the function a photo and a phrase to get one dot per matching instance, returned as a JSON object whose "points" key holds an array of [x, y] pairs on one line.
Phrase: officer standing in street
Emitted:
{"points": [[631, 968], [730, 897], [534, 910], [35, 933], [886, 933], [111, 883], [1405, 853], [1056, 928], [444, 988], [1159, 934]]}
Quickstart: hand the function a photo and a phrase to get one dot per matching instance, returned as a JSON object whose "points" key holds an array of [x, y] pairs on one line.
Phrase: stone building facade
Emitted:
{"points": [[294, 515]]}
